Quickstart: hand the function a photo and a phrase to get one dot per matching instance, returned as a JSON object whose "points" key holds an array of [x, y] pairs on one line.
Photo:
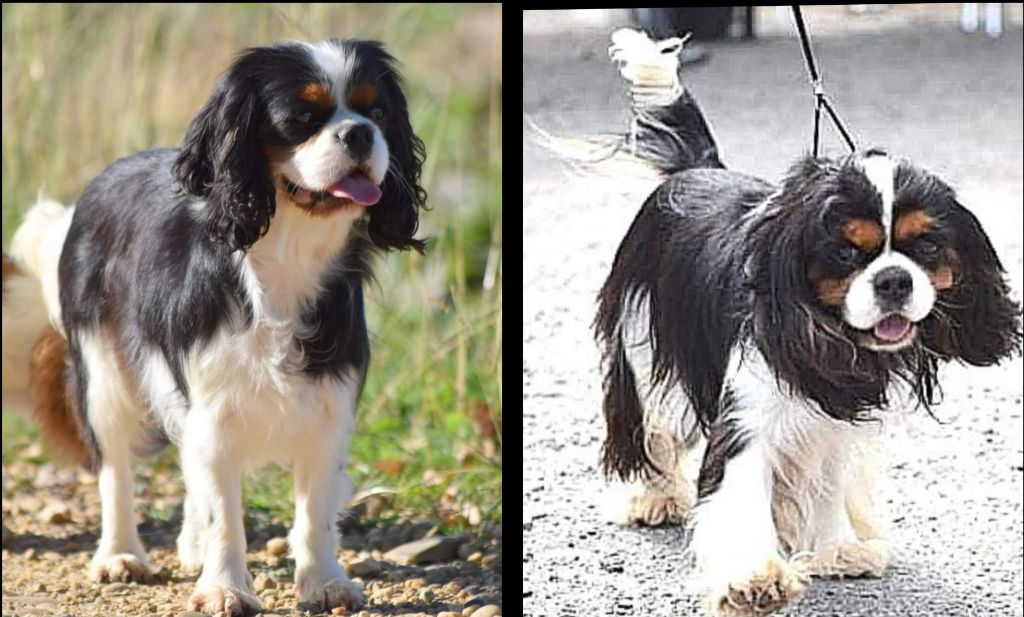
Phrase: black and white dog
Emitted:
{"points": [[211, 296], [776, 321]]}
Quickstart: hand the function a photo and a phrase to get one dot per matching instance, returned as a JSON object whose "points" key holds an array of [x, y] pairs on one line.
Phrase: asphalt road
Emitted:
{"points": [[952, 103]]}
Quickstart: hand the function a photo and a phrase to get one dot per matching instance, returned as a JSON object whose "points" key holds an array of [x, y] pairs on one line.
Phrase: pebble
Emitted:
{"points": [[365, 568], [468, 549], [263, 583], [491, 610], [339, 610], [276, 547], [427, 550], [414, 583], [56, 513], [114, 589]]}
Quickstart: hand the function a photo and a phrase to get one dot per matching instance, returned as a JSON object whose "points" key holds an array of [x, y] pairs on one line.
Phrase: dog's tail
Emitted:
{"points": [[668, 129], [668, 132], [34, 348]]}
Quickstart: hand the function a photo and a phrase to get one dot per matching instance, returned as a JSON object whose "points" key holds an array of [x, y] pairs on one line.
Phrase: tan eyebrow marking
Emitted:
{"points": [[865, 234], [318, 94], [363, 94], [912, 224]]}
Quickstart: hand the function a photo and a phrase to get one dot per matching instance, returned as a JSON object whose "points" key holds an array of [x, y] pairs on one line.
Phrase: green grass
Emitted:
{"points": [[85, 84]]}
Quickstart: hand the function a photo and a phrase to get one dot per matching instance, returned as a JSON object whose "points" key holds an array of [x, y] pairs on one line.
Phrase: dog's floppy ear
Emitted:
{"points": [[978, 322], [221, 163]]}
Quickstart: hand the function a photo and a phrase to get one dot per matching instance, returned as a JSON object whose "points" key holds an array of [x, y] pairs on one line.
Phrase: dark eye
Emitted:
{"points": [[377, 114], [848, 254], [304, 118], [927, 249]]}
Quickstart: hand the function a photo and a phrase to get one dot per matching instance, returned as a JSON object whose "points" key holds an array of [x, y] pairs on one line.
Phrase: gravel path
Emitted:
{"points": [[51, 517], [954, 104]]}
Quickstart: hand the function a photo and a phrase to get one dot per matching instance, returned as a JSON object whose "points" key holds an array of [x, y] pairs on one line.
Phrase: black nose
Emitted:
{"points": [[358, 139], [893, 286]]}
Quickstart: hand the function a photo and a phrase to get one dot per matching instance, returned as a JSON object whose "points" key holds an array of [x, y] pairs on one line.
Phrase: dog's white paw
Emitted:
{"points": [[216, 599], [121, 567], [336, 592], [868, 558], [773, 585]]}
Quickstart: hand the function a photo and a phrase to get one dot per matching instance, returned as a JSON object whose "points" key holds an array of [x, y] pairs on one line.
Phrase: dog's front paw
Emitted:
{"points": [[122, 567], [335, 592], [656, 509], [861, 558], [235, 602], [770, 587]]}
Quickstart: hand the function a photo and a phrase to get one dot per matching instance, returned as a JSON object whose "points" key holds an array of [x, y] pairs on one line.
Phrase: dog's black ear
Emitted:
{"points": [[221, 163], [976, 320]]}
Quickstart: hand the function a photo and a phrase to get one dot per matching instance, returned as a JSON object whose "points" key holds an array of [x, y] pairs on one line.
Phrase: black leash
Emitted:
{"points": [[821, 100]]}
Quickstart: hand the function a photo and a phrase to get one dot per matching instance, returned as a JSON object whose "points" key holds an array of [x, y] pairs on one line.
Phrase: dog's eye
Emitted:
{"points": [[304, 118], [377, 115], [927, 249], [848, 254]]}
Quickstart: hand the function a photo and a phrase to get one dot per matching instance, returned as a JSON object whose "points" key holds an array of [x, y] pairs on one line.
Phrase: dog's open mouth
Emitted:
{"points": [[355, 188], [893, 332]]}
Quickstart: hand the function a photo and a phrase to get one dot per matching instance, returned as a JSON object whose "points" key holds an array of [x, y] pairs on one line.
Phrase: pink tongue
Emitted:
{"points": [[892, 328], [358, 188]]}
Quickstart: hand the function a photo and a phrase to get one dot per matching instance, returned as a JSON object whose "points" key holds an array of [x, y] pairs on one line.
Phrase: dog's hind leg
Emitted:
{"points": [[106, 400]]}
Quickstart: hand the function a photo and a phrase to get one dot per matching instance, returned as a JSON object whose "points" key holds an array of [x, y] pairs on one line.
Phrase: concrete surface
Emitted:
{"points": [[952, 103]]}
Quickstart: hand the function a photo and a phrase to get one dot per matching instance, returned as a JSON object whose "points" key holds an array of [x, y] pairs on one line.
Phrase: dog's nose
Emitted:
{"points": [[893, 285], [358, 139]]}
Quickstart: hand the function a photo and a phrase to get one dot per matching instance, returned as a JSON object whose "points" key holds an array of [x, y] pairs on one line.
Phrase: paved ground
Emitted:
{"points": [[951, 102]]}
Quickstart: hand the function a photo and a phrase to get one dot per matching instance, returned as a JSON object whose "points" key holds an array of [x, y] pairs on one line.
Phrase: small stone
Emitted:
{"points": [[366, 568], [427, 550], [339, 610], [270, 603], [263, 583], [476, 557], [451, 587], [427, 596], [114, 589], [414, 583], [468, 549], [56, 513], [276, 547], [449, 614], [469, 610], [491, 610]]}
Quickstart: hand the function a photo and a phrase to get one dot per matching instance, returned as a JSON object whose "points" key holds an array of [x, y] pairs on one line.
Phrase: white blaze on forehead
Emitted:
{"points": [[880, 171], [335, 63]]}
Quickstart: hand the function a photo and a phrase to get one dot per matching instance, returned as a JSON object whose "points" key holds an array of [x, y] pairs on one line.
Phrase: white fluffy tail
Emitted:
{"points": [[36, 249], [650, 67], [31, 306]]}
